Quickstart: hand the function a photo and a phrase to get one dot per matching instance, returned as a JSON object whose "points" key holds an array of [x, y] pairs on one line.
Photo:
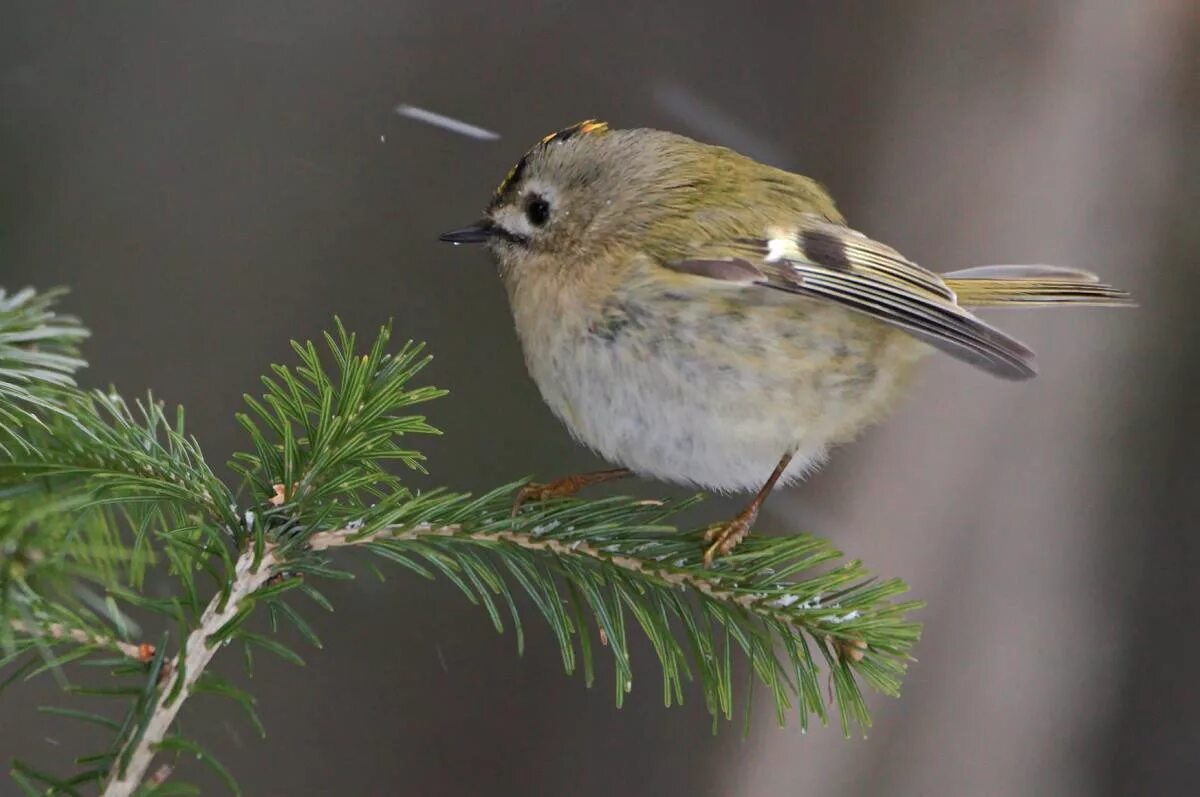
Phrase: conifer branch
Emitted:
{"points": [[763, 603], [249, 577], [96, 492]]}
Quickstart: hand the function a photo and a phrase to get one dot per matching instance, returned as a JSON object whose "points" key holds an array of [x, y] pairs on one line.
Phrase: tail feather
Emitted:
{"points": [[1030, 286]]}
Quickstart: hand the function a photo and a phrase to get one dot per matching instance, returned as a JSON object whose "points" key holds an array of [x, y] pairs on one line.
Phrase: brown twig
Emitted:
{"points": [[141, 652], [139, 752]]}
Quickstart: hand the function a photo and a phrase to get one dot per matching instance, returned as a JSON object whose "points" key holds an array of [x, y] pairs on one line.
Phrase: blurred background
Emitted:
{"points": [[212, 179]]}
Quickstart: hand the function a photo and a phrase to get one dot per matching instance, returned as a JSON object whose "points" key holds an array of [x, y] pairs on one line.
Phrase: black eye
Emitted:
{"points": [[537, 210]]}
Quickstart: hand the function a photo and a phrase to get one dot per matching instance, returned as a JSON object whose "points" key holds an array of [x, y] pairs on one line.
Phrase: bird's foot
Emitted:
{"points": [[561, 488], [724, 537], [540, 491]]}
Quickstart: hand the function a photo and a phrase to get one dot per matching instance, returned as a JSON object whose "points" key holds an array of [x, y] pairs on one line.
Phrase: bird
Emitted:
{"points": [[697, 317]]}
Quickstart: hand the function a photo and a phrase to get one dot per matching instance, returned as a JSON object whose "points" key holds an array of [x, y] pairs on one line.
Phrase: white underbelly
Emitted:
{"points": [[711, 403], [679, 422]]}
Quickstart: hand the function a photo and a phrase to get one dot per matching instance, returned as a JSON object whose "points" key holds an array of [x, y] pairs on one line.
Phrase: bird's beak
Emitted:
{"points": [[479, 232]]}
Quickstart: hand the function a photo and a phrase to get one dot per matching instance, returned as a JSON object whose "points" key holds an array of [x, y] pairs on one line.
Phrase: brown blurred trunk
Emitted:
{"points": [[988, 497]]}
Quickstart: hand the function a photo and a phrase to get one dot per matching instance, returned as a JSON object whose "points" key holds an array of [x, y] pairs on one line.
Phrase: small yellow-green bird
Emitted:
{"points": [[695, 316]]}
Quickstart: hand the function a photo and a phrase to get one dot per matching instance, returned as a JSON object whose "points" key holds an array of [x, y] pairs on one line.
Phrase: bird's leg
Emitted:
{"points": [[537, 491], [724, 537]]}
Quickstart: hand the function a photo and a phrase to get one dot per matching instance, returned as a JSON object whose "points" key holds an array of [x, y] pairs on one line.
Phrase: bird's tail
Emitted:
{"points": [[1032, 286]]}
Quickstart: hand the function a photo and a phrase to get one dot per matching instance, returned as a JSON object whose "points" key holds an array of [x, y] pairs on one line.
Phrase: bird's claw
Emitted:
{"points": [[540, 491], [724, 537]]}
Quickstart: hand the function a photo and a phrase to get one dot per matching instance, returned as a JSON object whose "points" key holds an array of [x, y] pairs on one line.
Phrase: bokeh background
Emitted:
{"points": [[212, 179]]}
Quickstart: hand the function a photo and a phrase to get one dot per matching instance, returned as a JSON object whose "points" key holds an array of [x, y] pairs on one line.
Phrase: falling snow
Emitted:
{"points": [[446, 123]]}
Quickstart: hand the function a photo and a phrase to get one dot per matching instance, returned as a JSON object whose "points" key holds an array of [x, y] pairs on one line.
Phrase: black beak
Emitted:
{"points": [[479, 232]]}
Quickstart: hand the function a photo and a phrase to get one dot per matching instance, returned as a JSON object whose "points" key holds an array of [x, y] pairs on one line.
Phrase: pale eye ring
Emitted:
{"points": [[537, 210]]}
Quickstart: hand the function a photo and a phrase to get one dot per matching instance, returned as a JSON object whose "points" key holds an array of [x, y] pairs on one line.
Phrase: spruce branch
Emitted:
{"points": [[39, 353], [97, 493], [775, 605]]}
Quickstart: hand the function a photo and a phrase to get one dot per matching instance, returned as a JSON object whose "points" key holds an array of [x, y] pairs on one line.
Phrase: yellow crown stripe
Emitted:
{"points": [[593, 126], [586, 127]]}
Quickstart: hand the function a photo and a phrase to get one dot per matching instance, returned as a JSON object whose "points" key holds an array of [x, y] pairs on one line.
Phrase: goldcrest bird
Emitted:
{"points": [[695, 316]]}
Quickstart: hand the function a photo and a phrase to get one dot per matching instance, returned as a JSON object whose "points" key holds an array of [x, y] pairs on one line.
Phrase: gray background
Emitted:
{"points": [[214, 179]]}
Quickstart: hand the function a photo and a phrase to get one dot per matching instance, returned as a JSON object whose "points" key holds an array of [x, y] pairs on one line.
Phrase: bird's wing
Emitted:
{"points": [[823, 260]]}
